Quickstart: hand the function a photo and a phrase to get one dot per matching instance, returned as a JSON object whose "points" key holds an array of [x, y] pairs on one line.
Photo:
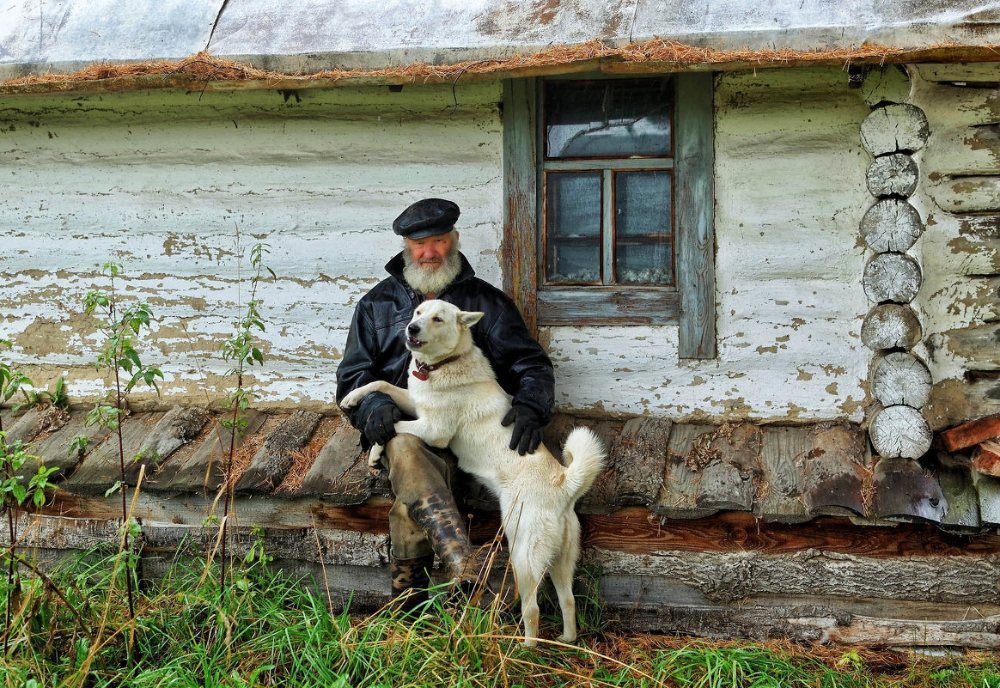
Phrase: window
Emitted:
{"points": [[609, 190]]}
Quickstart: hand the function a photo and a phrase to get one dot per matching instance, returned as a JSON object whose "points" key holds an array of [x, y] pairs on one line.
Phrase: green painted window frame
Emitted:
{"points": [[690, 303]]}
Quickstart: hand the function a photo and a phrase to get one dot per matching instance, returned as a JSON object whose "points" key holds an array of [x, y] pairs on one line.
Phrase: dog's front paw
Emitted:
{"points": [[351, 400], [375, 456]]}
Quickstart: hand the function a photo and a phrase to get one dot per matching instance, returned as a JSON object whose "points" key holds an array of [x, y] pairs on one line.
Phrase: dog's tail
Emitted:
{"points": [[584, 456]]}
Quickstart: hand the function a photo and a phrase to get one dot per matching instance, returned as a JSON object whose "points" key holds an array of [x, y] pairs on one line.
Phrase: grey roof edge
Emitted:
{"points": [[947, 33]]}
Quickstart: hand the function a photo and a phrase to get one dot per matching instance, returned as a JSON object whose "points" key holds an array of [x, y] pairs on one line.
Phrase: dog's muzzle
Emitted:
{"points": [[412, 330]]}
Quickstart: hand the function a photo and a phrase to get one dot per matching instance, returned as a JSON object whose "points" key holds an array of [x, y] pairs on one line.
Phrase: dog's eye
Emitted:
{"points": [[437, 319]]}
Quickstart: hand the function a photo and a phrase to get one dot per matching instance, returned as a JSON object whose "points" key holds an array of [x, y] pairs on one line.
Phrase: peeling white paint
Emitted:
{"points": [[159, 182]]}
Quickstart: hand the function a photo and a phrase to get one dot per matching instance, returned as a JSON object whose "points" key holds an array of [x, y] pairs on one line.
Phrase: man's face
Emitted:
{"points": [[430, 252]]}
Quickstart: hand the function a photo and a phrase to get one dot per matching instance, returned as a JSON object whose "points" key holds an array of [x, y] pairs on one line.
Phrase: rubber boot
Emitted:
{"points": [[410, 579], [438, 516]]}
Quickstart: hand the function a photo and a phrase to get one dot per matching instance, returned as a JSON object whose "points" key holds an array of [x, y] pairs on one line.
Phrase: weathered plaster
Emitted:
{"points": [[789, 196], [160, 182]]}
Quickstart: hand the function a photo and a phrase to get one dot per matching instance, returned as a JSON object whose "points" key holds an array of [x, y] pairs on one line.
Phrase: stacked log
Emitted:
{"points": [[900, 381]]}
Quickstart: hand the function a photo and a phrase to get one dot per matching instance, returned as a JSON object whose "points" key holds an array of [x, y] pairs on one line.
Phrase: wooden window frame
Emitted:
{"points": [[690, 303]]}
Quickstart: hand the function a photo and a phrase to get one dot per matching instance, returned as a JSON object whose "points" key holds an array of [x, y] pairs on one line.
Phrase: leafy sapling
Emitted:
{"points": [[10, 381], [121, 328], [13, 495], [241, 351]]}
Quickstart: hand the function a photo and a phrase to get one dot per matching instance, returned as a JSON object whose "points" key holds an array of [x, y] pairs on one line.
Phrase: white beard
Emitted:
{"points": [[431, 280]]}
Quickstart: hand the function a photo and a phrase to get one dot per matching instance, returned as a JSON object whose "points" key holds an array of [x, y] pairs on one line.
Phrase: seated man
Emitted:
{"points": [[424, 520]]}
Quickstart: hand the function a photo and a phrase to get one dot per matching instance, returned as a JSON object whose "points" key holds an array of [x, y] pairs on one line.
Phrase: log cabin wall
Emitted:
{"points": [[959, 197], [159, 181], [702, 524]]}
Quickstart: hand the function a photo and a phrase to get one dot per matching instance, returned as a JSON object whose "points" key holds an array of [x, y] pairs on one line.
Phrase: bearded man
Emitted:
{"points": [[424, 519]]}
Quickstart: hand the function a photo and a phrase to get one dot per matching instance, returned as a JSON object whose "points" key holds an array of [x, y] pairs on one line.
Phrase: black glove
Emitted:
{"points": [[380, 426], [527, 433]]}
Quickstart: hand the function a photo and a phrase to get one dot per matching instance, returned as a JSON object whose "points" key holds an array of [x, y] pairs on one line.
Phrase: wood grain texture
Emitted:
{"points": [[958, 485], [568, 307], [728, 577], [971, 433], [961, 72], [891, 224], [975, 346], [895, 127], [955, 401], [955, 151], [891, 326], [901, 378], [988, 489], [900, 431], [782, 452], [204, 470], [518, 252], [962, 195], [886, 84], [638, 459], [835, 471], [804, 623], [175, 429], [895, 174], [271, 463], [681, 483], [731, 479], [340, 473], [101, 467], [26, 427], [894, 277], [53, 449], [695, 166], [904, 489], [986, 458]]}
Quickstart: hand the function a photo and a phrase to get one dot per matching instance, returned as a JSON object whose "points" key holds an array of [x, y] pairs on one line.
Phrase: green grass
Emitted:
{"points": [[271, 630]]}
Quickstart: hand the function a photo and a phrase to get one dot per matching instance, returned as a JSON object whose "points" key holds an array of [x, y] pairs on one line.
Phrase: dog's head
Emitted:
{"points": [[439, 329]]}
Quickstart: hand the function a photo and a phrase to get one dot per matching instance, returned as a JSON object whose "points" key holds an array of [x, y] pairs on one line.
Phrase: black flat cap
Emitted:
{"points": [[426, 218]]}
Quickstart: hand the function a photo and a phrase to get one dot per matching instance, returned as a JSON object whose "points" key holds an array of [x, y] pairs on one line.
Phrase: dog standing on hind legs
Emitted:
{"points": [[456, 402]]}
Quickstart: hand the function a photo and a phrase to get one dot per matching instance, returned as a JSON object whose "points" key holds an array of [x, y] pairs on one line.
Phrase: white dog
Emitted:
{"points": [[457, 403]]}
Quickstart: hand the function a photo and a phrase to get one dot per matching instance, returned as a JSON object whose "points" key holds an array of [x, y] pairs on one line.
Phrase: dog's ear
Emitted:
{"points": [[469, 318]]}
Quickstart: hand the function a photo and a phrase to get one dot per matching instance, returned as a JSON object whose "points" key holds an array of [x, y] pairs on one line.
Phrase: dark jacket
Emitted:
{"points": [[376, 349]]}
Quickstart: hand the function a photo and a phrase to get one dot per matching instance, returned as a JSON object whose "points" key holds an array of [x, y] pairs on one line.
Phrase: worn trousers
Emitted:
{"points": [[415, 470]]}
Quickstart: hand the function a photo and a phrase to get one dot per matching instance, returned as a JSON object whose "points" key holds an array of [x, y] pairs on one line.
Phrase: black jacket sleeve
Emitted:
{"points": [[358, 366], [522, 366]]}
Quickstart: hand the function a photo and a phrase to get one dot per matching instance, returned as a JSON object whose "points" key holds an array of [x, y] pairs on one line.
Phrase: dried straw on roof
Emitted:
{"points": [[205, 68]]}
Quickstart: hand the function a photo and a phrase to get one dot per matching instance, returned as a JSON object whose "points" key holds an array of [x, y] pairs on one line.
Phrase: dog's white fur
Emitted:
{"points": [[460, 406]]}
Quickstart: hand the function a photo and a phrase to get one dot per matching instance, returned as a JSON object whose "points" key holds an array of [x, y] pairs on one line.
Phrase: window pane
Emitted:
{"points": [[618, 119], [573, 227], [644, 242]]}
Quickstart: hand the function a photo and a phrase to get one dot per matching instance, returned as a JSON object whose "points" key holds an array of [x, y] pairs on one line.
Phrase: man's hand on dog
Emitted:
{"points": [[527, 433], [380, 426]]}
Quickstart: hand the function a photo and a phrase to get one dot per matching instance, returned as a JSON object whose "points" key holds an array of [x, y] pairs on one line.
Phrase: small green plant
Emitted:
{"points": [[43, 398], [241, 351], [121, 328], [10, 380], [13, 495]]}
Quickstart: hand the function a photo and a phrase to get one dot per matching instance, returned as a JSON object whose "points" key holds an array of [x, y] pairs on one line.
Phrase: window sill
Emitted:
{"points": [[575, 306]]}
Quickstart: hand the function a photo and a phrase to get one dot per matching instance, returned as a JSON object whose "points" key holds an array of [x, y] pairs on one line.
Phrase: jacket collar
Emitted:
{"points": [[395, 268]]}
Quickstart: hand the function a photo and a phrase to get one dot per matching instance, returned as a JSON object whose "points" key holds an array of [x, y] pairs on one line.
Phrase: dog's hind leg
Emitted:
{"points": [[527, 589], [561, 573]]}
